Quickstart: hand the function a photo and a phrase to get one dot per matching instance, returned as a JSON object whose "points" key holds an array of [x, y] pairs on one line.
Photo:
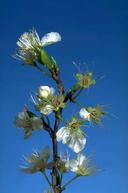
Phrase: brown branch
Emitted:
{"points": [[71, 92], [56, 77], [47, 127], [55, 176], [69, 96]]}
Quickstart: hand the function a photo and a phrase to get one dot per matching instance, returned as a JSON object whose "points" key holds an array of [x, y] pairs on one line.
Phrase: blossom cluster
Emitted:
{"points": [[31, 50], [71, 134]]}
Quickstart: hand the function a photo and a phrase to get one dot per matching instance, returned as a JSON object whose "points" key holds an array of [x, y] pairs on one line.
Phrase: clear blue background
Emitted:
{"points": [[93, 32]]}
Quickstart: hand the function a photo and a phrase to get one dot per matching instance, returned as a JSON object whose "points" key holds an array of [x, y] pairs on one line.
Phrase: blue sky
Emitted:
{"points": [[95, 33]]}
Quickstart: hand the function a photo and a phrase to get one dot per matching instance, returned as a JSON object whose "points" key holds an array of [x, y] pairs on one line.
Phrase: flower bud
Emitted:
{"points": [[45, 91], [45, 59]]}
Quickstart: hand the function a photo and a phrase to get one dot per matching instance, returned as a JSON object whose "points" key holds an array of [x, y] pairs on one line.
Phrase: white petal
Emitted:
{"points": [[84, 114], [45, 88], [36, 37], [29, 40], [73, 165], [20, 123], [52, 91], [64, 156], [22, 115], [77, 143], [71, 142], [21, 119], [50, 38], [61, 133], [24, 41], [47, 110], [66, 137], [67, 164], [81, 159], [45, 91]]}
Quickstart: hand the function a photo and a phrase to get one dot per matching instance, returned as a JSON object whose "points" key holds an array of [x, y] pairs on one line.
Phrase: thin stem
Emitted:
{"points": [[69, 182], [61, 178], [79, 92], [46, 177], [80, 105], [63, 120]]}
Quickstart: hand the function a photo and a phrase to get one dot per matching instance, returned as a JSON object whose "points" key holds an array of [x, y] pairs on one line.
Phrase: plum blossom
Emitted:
{"points": [[75, 140], [92, 114], [29, 45], [28, 122], [37, 161], [64, 158], [81, 165], [29, 40], [45, 91]]}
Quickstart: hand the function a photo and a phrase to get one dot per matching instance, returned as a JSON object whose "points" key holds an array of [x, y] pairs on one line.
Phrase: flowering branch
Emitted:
{"points": [[31, 51]]}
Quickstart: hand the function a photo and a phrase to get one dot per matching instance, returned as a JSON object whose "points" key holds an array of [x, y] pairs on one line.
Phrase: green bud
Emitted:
{"points": [[45, 59]]}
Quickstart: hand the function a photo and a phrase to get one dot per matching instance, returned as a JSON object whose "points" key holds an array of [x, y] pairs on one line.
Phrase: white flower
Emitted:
{"points": [[50, 38], [28, 57], [80, 165], [24, 120], [45, 91], [30, 45], [37, 161], [29, 40], [46, 110], [75, 163], [64, 159], [27, 122], [75, 140], [84, 114]]}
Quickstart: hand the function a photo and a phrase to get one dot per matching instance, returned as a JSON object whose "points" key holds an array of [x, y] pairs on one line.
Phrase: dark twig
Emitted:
{"points": [[71, 92]]}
